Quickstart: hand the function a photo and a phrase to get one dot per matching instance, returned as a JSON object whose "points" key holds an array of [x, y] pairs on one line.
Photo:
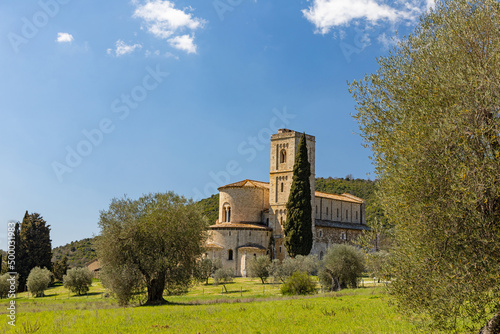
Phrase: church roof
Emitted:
{"points": [[252, 247], [243, 226], [344, 197], [247, 183], [213, 245]]}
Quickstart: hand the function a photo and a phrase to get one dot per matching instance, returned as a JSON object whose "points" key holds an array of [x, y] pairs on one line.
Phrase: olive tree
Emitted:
{"points": [[78, 280], [259, 267], [38, 281], [341, 267], [431, 117], [154, 240]]}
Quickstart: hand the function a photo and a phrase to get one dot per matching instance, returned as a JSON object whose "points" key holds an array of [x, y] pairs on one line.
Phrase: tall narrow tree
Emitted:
{"points": [[298, 225], [34, 247]]}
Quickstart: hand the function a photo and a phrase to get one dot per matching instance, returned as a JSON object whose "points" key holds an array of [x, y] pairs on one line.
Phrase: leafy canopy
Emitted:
{"points": [[431, 117], [155, 239]]}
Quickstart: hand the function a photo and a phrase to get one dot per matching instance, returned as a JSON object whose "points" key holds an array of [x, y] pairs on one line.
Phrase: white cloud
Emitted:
{"points": [[122, 48], [64, 37], [165, 22], [328, 14], [184, 42], [387, 42]]}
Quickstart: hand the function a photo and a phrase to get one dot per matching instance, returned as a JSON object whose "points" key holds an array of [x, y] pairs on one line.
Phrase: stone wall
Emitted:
{"points": [[247, 203], [241, 242]]}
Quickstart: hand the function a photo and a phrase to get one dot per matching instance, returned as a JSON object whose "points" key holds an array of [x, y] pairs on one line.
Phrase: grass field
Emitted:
{"points": [[248, 307]]}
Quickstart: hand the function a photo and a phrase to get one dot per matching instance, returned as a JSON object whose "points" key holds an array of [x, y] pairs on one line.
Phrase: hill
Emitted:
{"points": [[210, 207], [79, 253]]}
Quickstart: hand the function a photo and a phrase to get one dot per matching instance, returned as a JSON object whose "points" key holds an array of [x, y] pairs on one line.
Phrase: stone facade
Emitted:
{"points": [[252, 213]]}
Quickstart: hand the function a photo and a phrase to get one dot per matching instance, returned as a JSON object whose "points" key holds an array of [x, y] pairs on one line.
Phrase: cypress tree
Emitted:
{"points": [[34, 248], [298, 225]]}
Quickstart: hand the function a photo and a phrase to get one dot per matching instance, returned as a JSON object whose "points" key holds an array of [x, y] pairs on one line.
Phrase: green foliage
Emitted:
{"points": [[78, 280], [210, 208], [123, 281], [282, 270], [341, 267], [5, 284], [378, 264], [430, 115], [223, 275], [34, 246], [155, 239], [205, 268], [38, 281], [361, 188], [259, 267], [298, 226], [60, 268], [79, 253], [299, 283]]}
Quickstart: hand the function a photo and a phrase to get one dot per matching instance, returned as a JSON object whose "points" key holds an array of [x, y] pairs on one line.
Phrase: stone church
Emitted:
{"points": [[252, 213]]}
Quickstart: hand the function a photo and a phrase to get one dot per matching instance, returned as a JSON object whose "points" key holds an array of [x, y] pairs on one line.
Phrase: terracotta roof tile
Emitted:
{"points": [[344, 197], [247, 183]]}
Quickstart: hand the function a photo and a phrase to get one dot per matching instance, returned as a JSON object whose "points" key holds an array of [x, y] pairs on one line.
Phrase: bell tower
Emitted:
{"points": [[284, 146]]}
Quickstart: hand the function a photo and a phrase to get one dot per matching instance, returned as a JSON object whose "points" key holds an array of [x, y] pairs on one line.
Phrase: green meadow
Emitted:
{"points": [[247, 307]]}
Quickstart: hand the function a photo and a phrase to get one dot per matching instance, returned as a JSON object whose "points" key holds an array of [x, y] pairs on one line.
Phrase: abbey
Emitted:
{"points": [[252, 213]]}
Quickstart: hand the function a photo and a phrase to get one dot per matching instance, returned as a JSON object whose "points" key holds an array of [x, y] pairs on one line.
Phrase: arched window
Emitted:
{"points": [[346, 214], [356, 215], [327, 211], [283, 156], [227, 213], [337, 213], [282, 186], [230, 255]]}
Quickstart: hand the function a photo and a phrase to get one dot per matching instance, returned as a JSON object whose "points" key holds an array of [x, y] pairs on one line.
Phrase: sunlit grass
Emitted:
{"points": [[248, 307]]}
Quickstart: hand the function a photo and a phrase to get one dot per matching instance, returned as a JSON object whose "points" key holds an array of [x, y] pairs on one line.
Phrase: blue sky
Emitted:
{"points": [[105, 98]]}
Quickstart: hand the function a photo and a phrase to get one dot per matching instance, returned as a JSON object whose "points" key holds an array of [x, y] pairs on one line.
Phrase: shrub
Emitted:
{"points": [[78, 280], [223, 275], [38, 281], [205, 268], [281, 271], [5, 284], [299, 283], [341, 267], [259, 267]]}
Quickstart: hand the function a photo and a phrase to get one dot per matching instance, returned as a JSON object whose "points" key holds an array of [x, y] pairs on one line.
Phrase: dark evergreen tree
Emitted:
{"points": [[60, 268], [298, 225], [34, 247]]}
